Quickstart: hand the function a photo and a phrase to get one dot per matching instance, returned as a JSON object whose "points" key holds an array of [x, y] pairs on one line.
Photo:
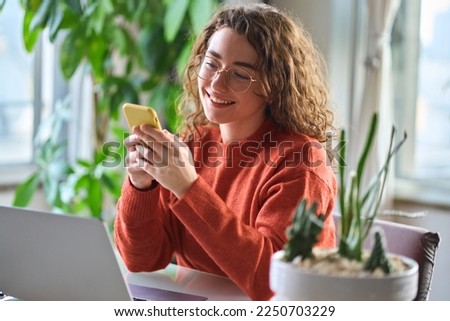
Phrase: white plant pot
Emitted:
{"points": [[291, 283]]}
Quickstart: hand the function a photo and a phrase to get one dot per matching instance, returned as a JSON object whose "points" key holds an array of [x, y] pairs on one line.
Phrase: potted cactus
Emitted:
{"points": [[302, 272]]}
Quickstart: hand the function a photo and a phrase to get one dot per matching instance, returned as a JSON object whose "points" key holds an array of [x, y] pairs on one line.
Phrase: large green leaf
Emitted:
{"points": [[200, 11], [72, 52], [74, 6], [183, 58], [25, 191], [111, 181], [367, 148], [120, 40], [41, 16], [29, 36], [176, 11], [97, 55], [55, 20], [164, 101], [154, 51], [99, 13]]}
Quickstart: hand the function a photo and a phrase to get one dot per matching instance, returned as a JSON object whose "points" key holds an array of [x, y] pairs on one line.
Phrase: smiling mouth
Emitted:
{"points": [[219, 101]]}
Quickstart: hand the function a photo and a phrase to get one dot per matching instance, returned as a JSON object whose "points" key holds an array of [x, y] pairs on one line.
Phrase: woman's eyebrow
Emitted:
{"points": [[215, 54]]}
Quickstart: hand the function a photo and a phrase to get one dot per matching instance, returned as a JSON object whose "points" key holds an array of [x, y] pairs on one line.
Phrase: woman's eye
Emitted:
{"points": [[239, 74], [211, 65]]}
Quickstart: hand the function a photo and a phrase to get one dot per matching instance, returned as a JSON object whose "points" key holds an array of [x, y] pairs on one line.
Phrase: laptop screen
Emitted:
{"points": [[47, 256]]}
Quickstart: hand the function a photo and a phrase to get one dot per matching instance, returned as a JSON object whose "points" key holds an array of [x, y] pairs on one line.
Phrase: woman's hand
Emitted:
{"points": [[134, 163], [162, 156]]}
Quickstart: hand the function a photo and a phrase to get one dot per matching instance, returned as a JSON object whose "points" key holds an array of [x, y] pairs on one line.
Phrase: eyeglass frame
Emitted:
{"points": [[221, 69]]}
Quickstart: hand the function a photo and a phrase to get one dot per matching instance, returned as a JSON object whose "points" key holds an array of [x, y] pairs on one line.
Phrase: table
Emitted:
{"points": [[182, 279]]}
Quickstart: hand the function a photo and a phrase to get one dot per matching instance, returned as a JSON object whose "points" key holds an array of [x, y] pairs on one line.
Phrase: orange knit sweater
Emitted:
{"points": [[235, 215]]}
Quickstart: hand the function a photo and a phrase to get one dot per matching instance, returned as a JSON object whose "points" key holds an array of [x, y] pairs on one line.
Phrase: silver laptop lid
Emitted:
{"points": [[47, 256]]}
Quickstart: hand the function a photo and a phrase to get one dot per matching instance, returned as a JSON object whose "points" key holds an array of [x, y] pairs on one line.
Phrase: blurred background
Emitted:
{"points": [[66, 68]]}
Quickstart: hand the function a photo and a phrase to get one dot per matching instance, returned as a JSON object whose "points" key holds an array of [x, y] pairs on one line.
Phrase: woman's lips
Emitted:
{"points": [[219, 101]]}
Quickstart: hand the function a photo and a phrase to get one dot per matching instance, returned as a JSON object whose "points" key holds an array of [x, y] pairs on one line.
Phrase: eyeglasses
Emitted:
{"points": [[237, 79]]}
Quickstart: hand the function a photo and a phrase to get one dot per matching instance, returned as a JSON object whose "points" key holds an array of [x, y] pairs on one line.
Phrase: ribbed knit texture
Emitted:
{"points": [[235, 215]]}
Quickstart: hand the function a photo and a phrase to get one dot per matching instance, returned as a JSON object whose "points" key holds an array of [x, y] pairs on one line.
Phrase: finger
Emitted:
{"points": [[178, 141], [157, 147], [132, 158], [147, 132], [151, 156], [131, 142], [146, 140]]}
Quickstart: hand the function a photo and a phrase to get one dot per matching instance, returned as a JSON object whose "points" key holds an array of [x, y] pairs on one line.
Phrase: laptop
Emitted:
{"points": [[48, 256]]}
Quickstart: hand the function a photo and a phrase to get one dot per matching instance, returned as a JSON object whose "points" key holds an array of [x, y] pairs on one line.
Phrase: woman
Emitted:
{"points": [[222, 198]]}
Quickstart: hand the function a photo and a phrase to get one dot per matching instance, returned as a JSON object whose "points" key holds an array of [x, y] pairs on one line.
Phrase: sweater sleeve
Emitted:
{"points": [[140, 234], [243, 252]]}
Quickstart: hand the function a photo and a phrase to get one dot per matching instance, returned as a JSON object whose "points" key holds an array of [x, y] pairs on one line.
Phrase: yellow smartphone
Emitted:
{"points": [[137, 115]]}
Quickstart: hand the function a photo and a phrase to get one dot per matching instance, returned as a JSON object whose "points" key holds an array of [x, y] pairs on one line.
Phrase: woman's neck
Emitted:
{"points": [[232, 132]]}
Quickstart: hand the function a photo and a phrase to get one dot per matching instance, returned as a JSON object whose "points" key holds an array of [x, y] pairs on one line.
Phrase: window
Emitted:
{"points": [[17, 90], [27, 92], [421, 58]]}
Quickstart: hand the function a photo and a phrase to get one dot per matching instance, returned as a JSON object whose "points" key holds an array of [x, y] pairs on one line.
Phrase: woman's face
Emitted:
{"points": [[223, 106]]}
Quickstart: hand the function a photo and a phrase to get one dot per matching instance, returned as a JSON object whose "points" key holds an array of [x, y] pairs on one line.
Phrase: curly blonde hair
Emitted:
{"points": [[293, 70]]}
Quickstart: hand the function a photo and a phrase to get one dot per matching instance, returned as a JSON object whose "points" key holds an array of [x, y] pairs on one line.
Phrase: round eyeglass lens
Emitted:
{"points": [[237, 79]]}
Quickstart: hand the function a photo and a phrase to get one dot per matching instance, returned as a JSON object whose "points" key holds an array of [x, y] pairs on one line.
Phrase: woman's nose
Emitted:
{"points": [[219, 81]]}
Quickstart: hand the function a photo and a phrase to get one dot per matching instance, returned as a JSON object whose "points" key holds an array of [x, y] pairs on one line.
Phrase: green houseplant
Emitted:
{"points": [[359, 206], [151, 41]]}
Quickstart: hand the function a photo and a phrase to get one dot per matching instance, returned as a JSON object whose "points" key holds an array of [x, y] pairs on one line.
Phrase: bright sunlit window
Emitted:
{"points": [[432, 139], [28, 89], [17, 90], [421, 56]]}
